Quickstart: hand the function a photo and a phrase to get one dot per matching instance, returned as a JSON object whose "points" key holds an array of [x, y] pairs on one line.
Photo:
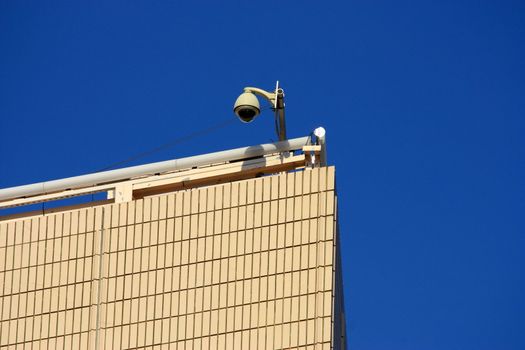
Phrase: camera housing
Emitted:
{"points": [[247, 107]]}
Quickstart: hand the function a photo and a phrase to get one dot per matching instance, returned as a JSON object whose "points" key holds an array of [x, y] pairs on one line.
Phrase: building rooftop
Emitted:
{"points": [[136, 182]]}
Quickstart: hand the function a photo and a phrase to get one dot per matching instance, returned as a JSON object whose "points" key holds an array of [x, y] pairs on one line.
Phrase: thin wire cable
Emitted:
{"points": [[187, 137]]}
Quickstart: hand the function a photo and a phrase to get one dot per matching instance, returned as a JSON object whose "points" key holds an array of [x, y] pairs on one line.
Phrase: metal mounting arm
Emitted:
{"points": [[270, 96], [276, 99]]}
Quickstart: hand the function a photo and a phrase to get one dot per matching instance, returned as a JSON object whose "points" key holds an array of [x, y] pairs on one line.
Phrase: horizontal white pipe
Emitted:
{"points": [[149, 169]]}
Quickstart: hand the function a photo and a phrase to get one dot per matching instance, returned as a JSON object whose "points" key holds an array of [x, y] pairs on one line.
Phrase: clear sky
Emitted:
{"points": [[423, 103]]}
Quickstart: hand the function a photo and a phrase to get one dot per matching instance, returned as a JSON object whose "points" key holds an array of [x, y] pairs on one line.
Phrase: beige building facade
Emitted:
{"points": [[247, 262]]}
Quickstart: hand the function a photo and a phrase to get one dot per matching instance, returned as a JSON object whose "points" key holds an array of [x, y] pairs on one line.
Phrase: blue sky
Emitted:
{"points": [[423, 103]]}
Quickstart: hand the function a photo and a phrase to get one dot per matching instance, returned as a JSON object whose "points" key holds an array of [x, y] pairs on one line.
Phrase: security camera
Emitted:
{"points": [[247, 107]]}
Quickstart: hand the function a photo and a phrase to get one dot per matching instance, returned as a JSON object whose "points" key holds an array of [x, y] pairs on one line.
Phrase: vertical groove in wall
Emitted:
{"points": [[99, 285]]}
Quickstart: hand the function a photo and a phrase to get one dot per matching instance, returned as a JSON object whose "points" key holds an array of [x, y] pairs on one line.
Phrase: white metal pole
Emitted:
{"points": [[150, 169]]}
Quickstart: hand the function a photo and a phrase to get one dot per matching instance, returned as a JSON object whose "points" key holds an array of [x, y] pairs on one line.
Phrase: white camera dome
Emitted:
{"points": [[246, 107]]}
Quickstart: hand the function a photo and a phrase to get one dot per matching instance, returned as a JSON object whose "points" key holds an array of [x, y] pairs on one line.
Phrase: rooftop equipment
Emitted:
{"points": [[247, 107]]}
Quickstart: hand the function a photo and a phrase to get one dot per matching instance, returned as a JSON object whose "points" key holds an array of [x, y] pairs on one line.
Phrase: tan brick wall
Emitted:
{"points": [[243, 265]]}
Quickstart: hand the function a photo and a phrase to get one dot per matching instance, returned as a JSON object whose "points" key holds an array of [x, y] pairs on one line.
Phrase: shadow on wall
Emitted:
{"points": [[253, 152]]}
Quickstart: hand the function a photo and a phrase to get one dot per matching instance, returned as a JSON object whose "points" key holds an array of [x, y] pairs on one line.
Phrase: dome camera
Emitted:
{"points": [[246, 107]]}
